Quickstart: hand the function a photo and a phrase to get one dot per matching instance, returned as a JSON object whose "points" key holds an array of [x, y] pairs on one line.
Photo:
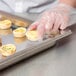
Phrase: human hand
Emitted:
{"points": [[52, 20]]}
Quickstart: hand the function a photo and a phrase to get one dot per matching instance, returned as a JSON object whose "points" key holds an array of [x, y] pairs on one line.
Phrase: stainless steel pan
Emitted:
{"points": [[25, 48]]}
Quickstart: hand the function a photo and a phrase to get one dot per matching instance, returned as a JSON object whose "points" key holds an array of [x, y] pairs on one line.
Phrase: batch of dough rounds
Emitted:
{"points": [[20, 23], [19, 32], [5, 24], [8, 49], [32, 35]]}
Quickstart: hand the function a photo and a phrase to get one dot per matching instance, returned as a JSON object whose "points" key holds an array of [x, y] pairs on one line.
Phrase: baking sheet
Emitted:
{"points": [[25, 48]]}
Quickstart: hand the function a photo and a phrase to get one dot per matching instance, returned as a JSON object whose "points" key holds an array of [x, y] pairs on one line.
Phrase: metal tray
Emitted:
{"points": [[25, 48]]}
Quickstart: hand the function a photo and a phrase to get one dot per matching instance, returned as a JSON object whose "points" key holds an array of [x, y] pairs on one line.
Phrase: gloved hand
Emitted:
{"points": [[53, 20]]}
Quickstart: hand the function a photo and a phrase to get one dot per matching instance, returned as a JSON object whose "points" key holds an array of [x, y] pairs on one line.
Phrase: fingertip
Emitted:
{"points": [[32, 27]]}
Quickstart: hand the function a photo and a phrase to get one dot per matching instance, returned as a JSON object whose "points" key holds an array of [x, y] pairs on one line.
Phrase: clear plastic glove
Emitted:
{"points": [[53, 20]]}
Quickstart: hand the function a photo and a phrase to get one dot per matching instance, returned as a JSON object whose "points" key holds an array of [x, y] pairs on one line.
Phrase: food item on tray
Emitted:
{"points": [[5, 24], [19, 32], [20, 23], [32, 35], [8, 49]]}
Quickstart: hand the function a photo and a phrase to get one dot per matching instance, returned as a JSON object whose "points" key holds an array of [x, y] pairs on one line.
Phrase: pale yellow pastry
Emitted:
{"points": [[32, 35], [5, 24], [8, 49], [20, 23], [19, 32]]}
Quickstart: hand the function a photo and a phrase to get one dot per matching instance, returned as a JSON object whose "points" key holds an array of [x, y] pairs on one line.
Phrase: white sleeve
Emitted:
{"points": [[4, 7], [34, 6]]}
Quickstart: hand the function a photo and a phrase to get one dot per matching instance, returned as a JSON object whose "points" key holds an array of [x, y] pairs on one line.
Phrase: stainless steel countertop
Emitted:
{"points": [[59, 60]]}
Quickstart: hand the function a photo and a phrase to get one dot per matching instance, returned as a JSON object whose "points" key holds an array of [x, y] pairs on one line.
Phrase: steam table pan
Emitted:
{"points": [[25, 48]]}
